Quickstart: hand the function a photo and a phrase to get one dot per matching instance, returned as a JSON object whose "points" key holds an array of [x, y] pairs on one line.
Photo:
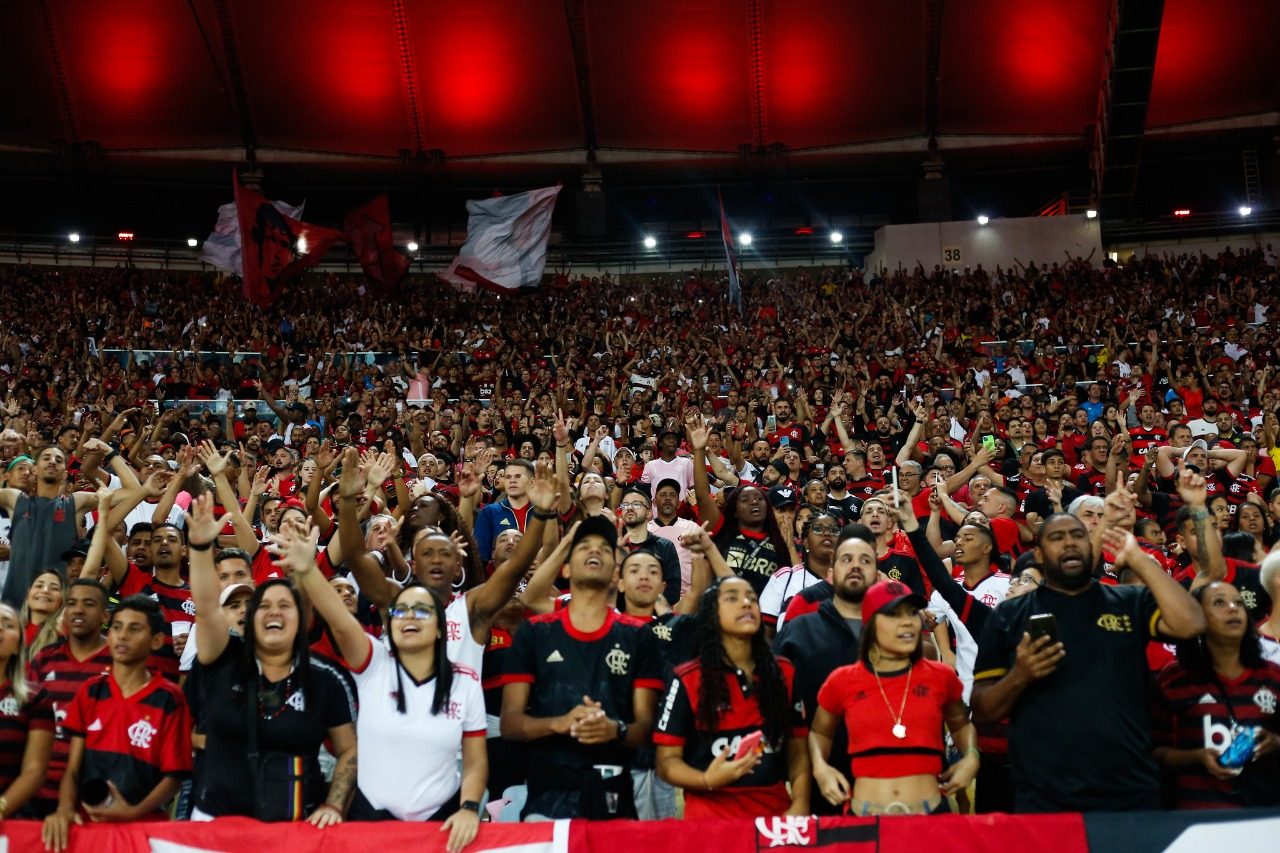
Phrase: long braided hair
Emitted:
{"points": [[770, 689]]}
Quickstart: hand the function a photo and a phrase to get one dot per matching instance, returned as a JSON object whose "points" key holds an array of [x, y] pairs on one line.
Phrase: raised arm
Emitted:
{"points": [[202, 533], [296, 552], [374, 585], [216, 465], [708, 510]]}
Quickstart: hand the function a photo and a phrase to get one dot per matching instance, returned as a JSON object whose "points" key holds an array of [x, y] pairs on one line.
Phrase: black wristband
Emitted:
{"points": [[106, 460], [545, 516], [191, 546]]}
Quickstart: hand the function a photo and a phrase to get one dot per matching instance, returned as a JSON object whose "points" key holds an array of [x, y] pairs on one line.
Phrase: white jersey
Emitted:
{"points": [[462, 648], [786, 583], [991, 590], [1270, 648], [412, 789]]}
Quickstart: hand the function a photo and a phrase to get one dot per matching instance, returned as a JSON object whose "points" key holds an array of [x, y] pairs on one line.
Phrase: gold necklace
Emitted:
{"points": [[899, 730]]}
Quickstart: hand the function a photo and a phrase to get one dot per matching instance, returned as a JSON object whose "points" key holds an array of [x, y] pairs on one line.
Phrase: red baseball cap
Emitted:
{"points": [[886, 595]]}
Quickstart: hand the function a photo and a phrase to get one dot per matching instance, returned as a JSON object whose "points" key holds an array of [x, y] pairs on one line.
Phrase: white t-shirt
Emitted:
{"points": [[991, 590], [462, 647], [409, 764], [786, 583]]}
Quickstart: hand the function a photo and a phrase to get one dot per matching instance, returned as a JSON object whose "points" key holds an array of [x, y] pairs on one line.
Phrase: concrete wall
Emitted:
{"points": [[955, 245]]}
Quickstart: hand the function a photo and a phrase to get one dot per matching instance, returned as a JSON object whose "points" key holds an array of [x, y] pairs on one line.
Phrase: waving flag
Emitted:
{"points": [[506, 243], [735, 285], [368, 231], [276, 248], [222, 248]]}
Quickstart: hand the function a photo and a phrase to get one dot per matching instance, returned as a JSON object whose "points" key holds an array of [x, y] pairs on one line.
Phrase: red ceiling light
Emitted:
{"points": [[806, 231], [1182, 211], [695, 235], [125, 236]]}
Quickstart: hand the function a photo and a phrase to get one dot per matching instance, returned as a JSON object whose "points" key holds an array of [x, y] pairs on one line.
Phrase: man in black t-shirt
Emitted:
{"points": [[1080, 733], [581, 686]]}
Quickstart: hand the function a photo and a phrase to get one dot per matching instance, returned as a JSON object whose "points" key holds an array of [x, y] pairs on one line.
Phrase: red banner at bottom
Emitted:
{"points": [[978, 834]]}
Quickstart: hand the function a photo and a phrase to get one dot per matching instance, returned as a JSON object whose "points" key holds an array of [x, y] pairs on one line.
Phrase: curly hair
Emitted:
{"points": [[729, 527], [770, 688], [450, 522], [1193, 655]]}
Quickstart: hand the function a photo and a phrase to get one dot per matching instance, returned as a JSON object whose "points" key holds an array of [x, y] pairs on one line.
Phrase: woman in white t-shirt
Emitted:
{"points": [[416, 709]]}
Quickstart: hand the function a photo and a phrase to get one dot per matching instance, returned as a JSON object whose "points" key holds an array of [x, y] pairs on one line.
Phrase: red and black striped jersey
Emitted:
{"points": [[133, 741], [16, 720], [176, 605], [1191, 712], [60, 674], [1237, 489], [1140, 438]]}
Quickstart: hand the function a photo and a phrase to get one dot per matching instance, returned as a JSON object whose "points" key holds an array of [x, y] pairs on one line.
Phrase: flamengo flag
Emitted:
{"points": [[735, 285], [506, 243], [222, 249], [276, 248], [368, 231]]}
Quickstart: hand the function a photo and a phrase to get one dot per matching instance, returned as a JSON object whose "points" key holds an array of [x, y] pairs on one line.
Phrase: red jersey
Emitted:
{"points": [[60, 674]]}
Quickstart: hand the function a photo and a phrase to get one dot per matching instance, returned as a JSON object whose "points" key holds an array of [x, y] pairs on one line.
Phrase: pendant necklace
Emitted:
{"points": [[899, 730]]}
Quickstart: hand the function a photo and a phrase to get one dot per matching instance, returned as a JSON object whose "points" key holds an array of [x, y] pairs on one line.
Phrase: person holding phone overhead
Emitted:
{"points": [[730, 732], [1088, 685]]}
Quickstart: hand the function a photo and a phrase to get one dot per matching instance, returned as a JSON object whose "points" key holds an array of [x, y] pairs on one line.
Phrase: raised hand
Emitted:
{"points": [[381, 468], [213, 463], [351, 484], [294, 548], [202, 527], [542, 488], [561, 429], [468, 483], [261, 478], [1192, 487], [696, 431]]}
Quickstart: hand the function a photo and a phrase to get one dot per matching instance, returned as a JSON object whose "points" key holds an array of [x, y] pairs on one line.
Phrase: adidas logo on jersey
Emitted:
{"points": [[506, 522], [555, 657], [1207, 699], [95, 726]]}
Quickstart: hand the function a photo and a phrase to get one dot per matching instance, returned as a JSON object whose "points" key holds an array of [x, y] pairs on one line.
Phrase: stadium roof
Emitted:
{"points": [[661, 91]]}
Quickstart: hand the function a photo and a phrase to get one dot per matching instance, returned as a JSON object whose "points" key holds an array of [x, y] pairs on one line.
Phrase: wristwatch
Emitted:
{"points": [[471, 806], [622, 730]]}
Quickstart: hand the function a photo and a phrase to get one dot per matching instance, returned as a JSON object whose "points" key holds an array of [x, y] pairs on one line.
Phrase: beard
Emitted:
{"points": [[1055, 575], [850, 592]]}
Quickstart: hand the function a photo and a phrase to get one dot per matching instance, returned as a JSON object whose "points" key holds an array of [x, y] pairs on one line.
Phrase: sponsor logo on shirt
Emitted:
{"points": [[1115, 623]]}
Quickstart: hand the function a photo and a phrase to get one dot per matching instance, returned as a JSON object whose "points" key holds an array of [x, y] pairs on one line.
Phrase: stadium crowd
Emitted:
{"points": [[881, 543]]}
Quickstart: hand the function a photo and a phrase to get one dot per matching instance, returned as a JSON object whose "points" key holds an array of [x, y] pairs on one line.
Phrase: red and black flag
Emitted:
{"points": [[275, 248], [368, 231]]}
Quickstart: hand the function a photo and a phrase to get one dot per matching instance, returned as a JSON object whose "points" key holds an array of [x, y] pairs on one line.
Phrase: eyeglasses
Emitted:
{"points": [[633, 505], [418, 614], [825, 530], [1022, 580]]}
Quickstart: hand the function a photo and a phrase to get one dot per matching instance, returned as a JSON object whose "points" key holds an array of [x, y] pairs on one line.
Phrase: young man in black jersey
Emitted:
{"points": [[582, 689]]}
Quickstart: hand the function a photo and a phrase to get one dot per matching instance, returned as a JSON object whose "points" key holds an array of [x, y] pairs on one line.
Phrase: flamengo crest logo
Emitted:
{"points": [[786, 831], [141, 733], [1265, 700]]}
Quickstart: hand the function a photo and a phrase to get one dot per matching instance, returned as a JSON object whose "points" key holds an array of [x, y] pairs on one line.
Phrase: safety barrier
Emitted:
{"points": [[1159, 832]]}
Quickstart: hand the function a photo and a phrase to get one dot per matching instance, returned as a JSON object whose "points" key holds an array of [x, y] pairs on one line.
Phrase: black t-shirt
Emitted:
{"points": [[1080, 738], [678, 723], [297, 724], [752, 558], [1246, 577], [1038, 501], [562, 665], [849, 507]]}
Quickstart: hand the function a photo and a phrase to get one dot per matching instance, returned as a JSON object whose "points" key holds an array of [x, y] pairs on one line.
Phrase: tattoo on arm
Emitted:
{"points": [[1200, 521], [344, 782]]}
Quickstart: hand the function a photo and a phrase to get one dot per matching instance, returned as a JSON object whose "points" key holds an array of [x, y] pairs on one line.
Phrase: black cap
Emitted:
{"points": [[78, 549], [784, 497], [296, 407], [596, 525], [275, 444], [668, 481]]}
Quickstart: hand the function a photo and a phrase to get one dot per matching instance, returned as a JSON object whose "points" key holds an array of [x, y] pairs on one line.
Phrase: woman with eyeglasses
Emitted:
{"points": [[416, 709], [1220, 690]]}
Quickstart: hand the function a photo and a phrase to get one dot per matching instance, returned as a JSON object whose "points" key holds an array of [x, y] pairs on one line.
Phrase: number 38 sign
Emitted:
{"points": [[952, 255]]}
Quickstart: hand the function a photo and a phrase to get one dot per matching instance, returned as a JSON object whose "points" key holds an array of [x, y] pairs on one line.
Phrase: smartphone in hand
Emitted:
{"points": [[1043, 625], [748, 745]]}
